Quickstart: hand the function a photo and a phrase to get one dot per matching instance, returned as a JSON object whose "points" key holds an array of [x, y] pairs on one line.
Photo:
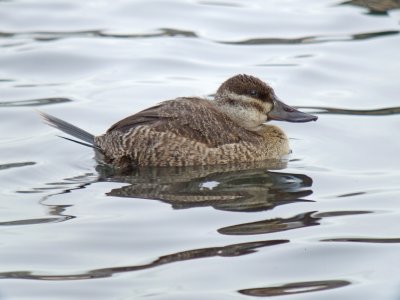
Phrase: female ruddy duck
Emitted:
{"points": [[194, 131]]}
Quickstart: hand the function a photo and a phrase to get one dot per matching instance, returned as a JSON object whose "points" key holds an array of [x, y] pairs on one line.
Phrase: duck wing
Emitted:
{"points": [[193, 118]]}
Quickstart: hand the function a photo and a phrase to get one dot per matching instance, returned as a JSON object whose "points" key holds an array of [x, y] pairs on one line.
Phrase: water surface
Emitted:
{"points": [[323, 225]]}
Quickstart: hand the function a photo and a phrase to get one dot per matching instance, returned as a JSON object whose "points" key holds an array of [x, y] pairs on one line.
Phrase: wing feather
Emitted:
{"points": [[193, 118]]}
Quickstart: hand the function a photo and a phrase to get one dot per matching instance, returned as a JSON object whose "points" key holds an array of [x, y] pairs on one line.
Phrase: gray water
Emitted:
{"points": [[323, 226]]}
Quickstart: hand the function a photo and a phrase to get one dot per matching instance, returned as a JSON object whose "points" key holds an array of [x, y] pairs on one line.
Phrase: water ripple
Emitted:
{"points": [[16, 165], [357, 112], [270, 226], [34, 102], [281, 224], [295, 288], [36, 221], [365, 240], [312, 39], [45, 36], [225, 251]]}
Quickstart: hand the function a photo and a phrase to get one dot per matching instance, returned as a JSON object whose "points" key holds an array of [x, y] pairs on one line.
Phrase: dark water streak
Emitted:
{"points": [[224, 251], [365, 240], [47, 36], [354, 112], [295, 288], [34, 102], [16, 165], [313, 39], [308, 219]]}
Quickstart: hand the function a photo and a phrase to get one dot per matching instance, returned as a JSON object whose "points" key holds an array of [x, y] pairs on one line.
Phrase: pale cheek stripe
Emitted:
{"points": [[263, 107]]}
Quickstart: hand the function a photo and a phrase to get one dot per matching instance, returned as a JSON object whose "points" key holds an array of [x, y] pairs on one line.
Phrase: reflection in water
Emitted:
{"points": [[312, 39], [355, 112], [35, 221], [244, 187], [247, 187], [272, 225], [34, 102], [365, 240], [43, 36], [57, 212], [226, 251], [281, 224], [16, 165], [295, 288], [376, 6]]}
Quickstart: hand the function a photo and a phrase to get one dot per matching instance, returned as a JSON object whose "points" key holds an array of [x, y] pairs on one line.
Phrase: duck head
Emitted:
{"points": [[251, 102]]}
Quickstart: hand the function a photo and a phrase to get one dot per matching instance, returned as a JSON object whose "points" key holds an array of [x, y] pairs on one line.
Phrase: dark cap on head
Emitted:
{"points": [[248, 86]]}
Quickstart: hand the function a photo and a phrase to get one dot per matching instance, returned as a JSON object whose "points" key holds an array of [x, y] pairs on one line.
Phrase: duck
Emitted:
{"points": [[194, 131]]}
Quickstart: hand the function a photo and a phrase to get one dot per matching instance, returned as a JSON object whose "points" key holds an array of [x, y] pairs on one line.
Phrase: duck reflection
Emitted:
{"points": [[246, 187]]}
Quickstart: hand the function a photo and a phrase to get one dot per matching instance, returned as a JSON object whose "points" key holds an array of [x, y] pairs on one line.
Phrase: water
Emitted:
{"points": [[324, 226]]}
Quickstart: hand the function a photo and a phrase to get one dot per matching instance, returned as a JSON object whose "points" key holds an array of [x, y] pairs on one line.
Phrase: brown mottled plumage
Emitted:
{"points": [[195, 131]]}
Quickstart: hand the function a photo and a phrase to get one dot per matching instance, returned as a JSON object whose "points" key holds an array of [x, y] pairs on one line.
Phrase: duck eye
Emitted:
{"points": [[253, 92]]}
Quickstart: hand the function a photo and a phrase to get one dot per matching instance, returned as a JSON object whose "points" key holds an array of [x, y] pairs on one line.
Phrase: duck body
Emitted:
{"points": [[191, 131], [188, 131]]}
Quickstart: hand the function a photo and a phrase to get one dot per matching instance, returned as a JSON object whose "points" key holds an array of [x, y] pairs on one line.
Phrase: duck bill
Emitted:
{"points": [[283, 112]]}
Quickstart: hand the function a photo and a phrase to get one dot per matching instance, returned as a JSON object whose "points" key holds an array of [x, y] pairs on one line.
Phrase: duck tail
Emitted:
{"points": [[86, 138]]}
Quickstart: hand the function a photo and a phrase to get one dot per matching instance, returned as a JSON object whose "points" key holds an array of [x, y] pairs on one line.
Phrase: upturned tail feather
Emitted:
{"points": [[86, 138]]}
